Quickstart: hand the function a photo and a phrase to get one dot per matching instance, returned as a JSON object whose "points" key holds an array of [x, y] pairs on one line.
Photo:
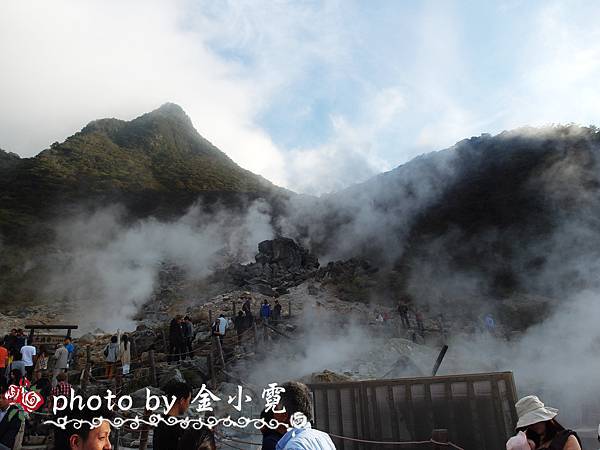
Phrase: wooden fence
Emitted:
{"points": [[477, 410]]}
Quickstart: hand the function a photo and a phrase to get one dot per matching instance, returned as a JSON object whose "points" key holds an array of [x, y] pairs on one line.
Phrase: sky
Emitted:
{"points": [[313, 95]]}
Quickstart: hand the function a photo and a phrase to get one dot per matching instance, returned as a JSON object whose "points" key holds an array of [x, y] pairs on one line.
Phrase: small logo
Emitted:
{"points": [[298, 420], [24, 396]]}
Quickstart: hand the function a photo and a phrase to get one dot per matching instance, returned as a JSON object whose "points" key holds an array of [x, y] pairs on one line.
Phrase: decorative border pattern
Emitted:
{"points": [[298, 420]]}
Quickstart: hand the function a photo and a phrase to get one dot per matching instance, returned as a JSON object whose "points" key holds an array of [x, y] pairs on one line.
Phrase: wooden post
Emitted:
{"points": [[164, 339], [440, 436], [234, 309], [133, 349], [118, 378], [210, 321], [144, 432], [117, 438], [211, 368], [220, 348], [152, 368], [86, 369], [289, 308]]}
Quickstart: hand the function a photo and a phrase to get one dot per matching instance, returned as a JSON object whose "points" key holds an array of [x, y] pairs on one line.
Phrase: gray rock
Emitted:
{"points": [[139, 396], [172, 374], [87, 338], [201, 336]]}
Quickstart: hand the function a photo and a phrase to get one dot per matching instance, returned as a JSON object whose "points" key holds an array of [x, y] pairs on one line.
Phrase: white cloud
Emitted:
{"points": [[66, 63], [558, 68], [350, 156], [404, 85]]}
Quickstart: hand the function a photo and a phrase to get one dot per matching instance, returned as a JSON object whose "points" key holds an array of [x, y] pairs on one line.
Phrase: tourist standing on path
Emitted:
{"points": [[167, 437], [403, 311], [125, 354], [28, 353], [3, 365], [276, 312], [176, 340], [420, 325], [41, 363], [239, 322], [188, 336], [265, 311], [61, 362], [111, 353]]}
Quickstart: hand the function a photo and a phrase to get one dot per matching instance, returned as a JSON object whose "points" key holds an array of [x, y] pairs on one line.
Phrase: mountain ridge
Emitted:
{"points": [[155, 162], [497, 210]]}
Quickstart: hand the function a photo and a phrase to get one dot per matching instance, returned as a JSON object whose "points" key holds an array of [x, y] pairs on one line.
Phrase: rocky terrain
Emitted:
{"points": [[490, 210], [500, 224], [280, 264]]}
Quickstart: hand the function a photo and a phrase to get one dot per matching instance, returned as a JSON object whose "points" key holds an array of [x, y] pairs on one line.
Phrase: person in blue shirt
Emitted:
{"points": [[295, 402], [265, 311], [70, 348]]}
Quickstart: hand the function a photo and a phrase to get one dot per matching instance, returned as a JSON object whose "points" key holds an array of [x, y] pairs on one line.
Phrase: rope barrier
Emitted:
{"points": [[231, 446], [237, 441], [362, 441], [430, 441]]}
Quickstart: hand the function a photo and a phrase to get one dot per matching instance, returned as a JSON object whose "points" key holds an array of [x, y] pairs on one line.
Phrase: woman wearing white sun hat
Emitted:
{"points": [[539, 419]]}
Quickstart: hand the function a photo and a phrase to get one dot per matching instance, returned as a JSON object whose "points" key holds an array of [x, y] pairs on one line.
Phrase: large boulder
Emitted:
{"points": [[143, 339], [195, 371], [172, 374], [280, 264], [286, 253]]}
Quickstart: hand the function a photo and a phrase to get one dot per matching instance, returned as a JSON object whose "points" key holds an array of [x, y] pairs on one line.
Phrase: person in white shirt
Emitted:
{"points": [[28, 353], [296, 403], [61, 362], [220, 327], [125, 353]]}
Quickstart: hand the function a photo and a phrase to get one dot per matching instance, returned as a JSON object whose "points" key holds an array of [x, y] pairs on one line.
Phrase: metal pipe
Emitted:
{"points": [[438, 362]]}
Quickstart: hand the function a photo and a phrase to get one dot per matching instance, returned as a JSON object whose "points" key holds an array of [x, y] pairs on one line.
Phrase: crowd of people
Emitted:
{"points": [[181, 330], [22, 363], [20, 358]]}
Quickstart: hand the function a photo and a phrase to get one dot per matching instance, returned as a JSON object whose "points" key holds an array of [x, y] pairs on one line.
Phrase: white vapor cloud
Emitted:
{"points": [[108, 268]]}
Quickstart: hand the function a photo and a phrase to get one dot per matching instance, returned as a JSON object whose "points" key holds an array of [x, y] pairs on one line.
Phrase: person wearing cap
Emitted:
{"points": [[535, 418]]}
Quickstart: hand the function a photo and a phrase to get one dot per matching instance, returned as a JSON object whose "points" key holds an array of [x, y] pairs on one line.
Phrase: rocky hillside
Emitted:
{"points": [[491, 215], [156, 164]]}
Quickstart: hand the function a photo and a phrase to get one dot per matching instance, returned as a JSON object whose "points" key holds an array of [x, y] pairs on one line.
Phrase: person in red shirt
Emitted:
{"points": [[3, 364], [63, 387]]}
